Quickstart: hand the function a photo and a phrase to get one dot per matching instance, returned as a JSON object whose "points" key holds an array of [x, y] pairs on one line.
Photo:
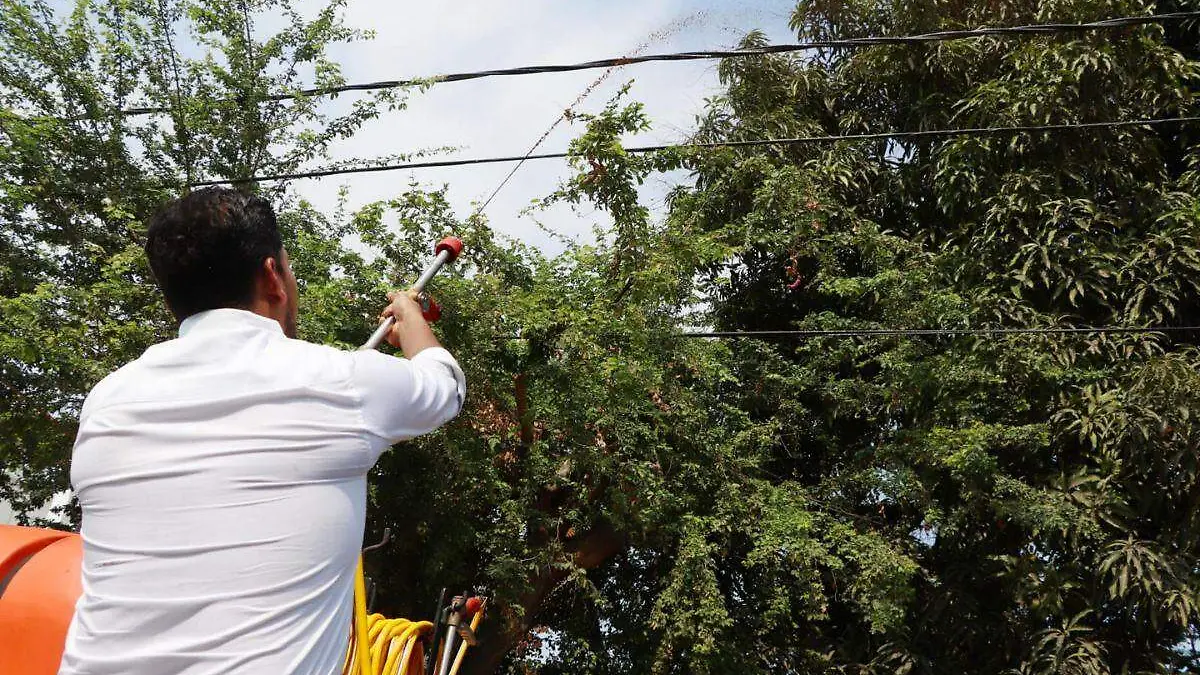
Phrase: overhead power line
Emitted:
{"points": [[949, 332], [567, 113], [848, 43], [923, 332], [894, 135]]}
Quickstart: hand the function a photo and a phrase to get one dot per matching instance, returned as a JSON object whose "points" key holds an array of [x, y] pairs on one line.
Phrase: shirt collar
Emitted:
{"points": [[227, 318]]}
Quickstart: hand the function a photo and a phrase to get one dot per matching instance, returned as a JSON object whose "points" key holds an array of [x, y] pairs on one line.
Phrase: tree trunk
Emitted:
{"points": [[590, 550]]}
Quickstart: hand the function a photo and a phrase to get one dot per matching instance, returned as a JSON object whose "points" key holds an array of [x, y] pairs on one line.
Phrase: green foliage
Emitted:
{"points": [[639, 502], [986, 504]]}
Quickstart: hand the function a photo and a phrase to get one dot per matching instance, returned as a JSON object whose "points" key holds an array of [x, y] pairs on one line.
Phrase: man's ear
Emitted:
{"points": [[273, 288]]}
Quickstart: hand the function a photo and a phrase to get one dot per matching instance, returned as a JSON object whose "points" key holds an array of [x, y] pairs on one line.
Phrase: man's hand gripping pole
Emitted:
{"points": [[447, 251]]}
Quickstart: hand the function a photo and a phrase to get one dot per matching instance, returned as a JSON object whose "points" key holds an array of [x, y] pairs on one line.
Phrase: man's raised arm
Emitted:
{"points": [[403, 398]]}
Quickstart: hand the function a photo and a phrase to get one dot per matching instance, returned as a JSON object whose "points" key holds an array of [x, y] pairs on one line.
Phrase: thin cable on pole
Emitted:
{"points": [[849, 43], [919, 332], [178, 113], [569, 111], [894, 135]]}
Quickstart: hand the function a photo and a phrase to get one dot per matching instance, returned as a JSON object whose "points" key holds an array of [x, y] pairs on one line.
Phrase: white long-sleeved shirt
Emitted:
{"points": [[222, 477]]}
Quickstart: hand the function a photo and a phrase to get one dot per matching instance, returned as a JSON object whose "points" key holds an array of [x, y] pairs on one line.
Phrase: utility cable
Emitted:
{"points": [[894, 135], [920, 332], [847, 43], [569, 112], [179, 115]]}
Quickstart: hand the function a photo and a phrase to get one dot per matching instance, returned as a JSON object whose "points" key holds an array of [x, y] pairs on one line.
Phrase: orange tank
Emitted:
{"points": [[39, 584]]}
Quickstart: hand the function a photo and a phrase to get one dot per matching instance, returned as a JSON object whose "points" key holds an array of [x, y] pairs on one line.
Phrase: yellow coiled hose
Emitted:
{"points": [[382, 646]]}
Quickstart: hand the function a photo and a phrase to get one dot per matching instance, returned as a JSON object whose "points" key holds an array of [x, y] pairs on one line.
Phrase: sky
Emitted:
{"points": [[505, 115]]}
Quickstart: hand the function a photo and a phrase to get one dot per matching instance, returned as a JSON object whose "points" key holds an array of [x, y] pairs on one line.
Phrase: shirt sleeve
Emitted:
{"points": [[404, 398]]}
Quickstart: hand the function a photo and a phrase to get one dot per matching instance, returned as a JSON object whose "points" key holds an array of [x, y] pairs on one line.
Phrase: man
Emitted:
{"points": [[222, 475]]}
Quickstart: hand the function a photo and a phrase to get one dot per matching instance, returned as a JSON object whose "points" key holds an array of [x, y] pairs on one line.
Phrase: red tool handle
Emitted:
{"points": [[452, 244]]}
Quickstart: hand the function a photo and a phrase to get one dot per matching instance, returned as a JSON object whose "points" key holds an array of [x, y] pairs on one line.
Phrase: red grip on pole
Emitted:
{"points": [[429, 309], [452, 244]]}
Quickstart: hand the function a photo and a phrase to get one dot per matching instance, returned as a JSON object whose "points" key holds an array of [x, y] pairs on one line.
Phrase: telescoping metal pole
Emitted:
{"points": [[447, 251]]}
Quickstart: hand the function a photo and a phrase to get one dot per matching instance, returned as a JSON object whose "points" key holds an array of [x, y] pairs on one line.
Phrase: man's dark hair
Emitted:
{"points": [[206, 247]]}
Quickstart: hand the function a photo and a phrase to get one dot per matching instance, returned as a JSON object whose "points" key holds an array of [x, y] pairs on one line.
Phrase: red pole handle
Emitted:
{"points": [[452, 244]]}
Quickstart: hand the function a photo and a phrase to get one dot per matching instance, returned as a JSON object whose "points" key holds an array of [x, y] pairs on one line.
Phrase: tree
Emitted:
{"points": [[938, 504], [1021, 503]]}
